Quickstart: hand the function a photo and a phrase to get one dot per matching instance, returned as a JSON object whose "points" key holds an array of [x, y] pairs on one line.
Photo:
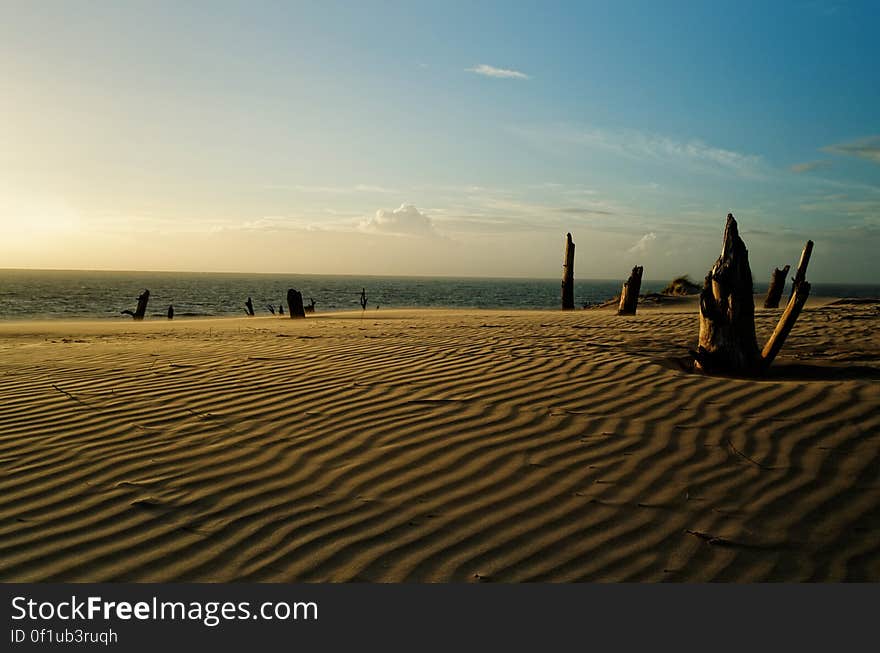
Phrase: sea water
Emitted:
{"points": [[52, 294]]}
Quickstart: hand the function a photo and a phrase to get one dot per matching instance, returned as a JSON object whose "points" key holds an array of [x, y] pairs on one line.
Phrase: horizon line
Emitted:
{"points": [[390, 276]]}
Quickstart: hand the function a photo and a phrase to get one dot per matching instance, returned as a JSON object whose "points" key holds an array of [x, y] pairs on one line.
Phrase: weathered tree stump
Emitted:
{"points": [[249, 307], [170, 312], [727, 311], [281, 308], [141, 310], [800, 275], [295, 303], [629, 294], [568, 275], [310, 307], [777, 285]]}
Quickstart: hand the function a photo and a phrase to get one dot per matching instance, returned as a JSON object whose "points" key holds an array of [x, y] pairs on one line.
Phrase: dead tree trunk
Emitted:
{"points": [[777, 285], [629, 294], [295, 303], [800, 276], [141, 310], [727, 311], [249, 307], [568, 275]]}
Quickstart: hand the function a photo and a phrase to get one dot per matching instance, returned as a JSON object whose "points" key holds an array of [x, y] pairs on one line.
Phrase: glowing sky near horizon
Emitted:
{"points": [[438, 138]]}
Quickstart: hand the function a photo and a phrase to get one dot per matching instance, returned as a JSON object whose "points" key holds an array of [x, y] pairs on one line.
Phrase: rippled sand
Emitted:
{"points": [[437, 446]]}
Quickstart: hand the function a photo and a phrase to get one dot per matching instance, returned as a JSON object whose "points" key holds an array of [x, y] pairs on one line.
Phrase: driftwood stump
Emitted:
{"points": [[281, 308], [568, 275], [295, 303], [170, 312], [629, 294], [727, 311], [777, 285], [310, 307], [249, 307], [141, 310]]}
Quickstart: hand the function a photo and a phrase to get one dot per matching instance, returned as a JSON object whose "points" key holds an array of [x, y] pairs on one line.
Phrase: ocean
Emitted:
{"points": [[51, 294]]}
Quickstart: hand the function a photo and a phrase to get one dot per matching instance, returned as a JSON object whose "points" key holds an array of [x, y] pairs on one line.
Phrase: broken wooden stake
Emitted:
{"points": [[777, 285], [141, 310], [801, 274], [629, 294], [568, 275], [295, 303], [785, 324], [727, 311]]}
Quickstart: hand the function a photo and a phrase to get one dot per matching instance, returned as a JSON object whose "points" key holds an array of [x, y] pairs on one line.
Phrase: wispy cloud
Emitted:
{"points": [[864, 148], [808, 166], [491, 71], [580, 210], [335, 190], [643, 146]]}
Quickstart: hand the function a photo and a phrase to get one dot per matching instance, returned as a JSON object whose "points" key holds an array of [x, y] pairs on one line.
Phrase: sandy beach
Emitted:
{"points": [[437, 445]]}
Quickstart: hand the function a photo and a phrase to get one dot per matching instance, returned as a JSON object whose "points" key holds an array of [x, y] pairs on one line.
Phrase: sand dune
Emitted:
{"points": [[437, 446]]}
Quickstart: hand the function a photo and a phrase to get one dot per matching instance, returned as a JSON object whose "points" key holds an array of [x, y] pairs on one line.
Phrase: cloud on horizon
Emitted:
{"points": [[863, 148], [406, 220], [500, 73]]}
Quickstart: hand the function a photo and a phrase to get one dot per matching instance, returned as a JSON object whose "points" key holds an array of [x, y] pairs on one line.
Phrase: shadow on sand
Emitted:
{"points": [[787, 371]]}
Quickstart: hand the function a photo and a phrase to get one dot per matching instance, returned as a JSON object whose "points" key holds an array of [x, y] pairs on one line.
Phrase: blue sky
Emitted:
{"points": [[442, 138]]}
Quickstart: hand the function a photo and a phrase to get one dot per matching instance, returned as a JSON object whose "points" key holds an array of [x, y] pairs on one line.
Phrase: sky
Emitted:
{"points": [[441, 138]]}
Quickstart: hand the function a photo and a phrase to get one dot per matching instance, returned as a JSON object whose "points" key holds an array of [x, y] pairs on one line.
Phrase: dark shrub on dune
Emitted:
{"points": [[681, 286]]}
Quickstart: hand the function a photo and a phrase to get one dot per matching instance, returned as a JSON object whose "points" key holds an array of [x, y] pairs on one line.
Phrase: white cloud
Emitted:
{"points": [[491, 71], [406, 220], [641, 245]]}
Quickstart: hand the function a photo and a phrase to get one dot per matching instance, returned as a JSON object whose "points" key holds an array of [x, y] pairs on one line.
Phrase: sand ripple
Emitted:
{"points": [[436, 446]]}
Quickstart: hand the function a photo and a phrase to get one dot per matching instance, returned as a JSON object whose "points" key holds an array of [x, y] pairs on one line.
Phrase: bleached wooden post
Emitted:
{"points": [[568, 275], [629, 294], [295, 303], [777, 285], [799, 295], [801, 274], [786, 322]]}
